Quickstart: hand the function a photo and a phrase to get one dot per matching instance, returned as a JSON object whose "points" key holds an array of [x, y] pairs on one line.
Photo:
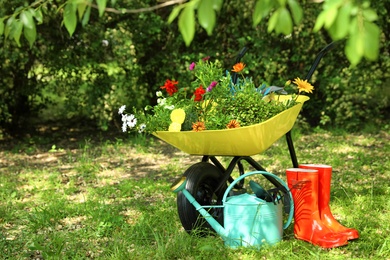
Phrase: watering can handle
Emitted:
{"points": [[291, 213]]}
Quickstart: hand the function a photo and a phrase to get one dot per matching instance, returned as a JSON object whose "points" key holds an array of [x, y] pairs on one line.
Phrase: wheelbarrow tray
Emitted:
{"points": [[242, 141]]}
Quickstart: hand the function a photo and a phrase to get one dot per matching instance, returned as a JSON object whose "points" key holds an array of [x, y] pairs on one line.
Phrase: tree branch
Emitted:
{"points": [[141, 10]]}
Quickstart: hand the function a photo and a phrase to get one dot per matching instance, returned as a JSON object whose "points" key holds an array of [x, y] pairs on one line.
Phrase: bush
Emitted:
{"points": [[124, 59]]}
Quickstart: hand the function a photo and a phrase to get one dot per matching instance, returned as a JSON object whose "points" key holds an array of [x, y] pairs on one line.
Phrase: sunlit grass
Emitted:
{"points": [[112, 200]]}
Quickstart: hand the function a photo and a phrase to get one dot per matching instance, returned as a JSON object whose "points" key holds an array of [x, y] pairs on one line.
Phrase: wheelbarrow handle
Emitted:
{"points": [[241, 54], [238, 59], [321, 54]]}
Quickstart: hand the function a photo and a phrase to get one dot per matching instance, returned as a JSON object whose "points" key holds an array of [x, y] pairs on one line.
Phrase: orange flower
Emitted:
{"points": [[233, 124], [198, 126], [303, 85], [238, 67]]}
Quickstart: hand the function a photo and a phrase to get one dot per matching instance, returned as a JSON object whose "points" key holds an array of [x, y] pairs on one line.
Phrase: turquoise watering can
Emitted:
{"points": [[248, 219]]}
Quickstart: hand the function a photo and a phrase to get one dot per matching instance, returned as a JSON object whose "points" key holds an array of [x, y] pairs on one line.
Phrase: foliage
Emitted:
{"points": [[64, 77], [213, 101], [86, 75], [354, 21], [351, 19]]}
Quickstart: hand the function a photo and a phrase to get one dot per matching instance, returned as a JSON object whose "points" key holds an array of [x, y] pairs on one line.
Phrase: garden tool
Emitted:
{"points": [[248, 220], [308, 226], [259, 191], [326, 216]]}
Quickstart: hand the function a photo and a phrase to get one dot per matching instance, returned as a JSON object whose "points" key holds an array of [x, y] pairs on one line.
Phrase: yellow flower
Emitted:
{"points": [[233, 124], [178, 115], [238, 67], [174, 127], [198, 126], [303, 85]]}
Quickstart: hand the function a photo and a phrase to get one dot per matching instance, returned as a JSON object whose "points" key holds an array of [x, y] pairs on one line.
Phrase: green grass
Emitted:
{"points": [[110, 198]]}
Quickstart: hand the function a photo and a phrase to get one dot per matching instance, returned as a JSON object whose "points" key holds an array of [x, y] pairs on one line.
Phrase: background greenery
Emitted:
{"points": [[123, 59]]}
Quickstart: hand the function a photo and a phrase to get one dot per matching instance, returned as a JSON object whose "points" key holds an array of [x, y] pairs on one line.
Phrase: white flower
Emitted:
{"points": [[124, 120], [124, 127], [141, 128], [122, 109], [105, 42], [128, 121], [161, 101], [159, 94], [171, 107], [131, 121]]}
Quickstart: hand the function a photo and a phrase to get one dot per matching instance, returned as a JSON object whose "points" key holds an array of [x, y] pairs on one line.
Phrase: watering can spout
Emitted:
{"points": [[179, 185]]}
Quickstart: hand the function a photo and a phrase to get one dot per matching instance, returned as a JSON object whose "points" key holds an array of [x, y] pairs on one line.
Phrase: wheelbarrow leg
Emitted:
{"points": [[290, 144]]}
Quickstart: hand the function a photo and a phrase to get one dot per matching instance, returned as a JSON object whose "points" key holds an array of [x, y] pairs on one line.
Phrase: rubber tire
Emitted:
{"points": [[202, 179]]}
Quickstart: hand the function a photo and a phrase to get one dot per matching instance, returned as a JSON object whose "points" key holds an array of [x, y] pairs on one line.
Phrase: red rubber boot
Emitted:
{"points": [[324, 178], [308, 226]]}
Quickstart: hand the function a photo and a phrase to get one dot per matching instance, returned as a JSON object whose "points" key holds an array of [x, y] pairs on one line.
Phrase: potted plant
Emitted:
{"points": [[216, 116]]}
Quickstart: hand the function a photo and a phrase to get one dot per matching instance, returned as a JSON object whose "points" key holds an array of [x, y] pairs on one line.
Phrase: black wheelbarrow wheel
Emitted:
{"points": [[202, 180]]}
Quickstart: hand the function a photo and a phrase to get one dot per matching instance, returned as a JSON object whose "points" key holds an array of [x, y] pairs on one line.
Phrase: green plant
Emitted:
{"points": [[229, 101]]}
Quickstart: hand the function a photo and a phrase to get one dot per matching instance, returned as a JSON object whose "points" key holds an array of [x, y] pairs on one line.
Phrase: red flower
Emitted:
{"points": [[170, 86], [206, 58], [199, 92]]}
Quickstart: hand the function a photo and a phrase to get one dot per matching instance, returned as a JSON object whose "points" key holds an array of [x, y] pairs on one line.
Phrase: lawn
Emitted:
{"points": [[76, 195]]}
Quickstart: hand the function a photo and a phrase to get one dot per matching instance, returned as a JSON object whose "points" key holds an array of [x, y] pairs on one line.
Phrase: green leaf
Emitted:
{"points": [[8, 26], [101, 6], [359, 43], [353, 26], [351, 52], [296, 11], [206, 16], [217, 4], [1, 26], [262, 9], [70, 18], [187, 24], [86, 16], [175, 12], [319, 21], [370, 15], [30, 34], [17, 31], [273, 21], [342, 22], [81, 9], [331, 15], [330, 4], [371, 40], [285, 24], [354, 48], [38, 16], [27, 19]]}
